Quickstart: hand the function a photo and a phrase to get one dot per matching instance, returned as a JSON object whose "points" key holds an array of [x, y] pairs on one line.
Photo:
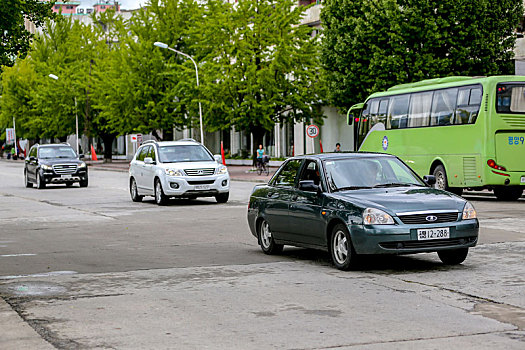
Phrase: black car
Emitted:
{"points": [[54, 164], [360, 203]]}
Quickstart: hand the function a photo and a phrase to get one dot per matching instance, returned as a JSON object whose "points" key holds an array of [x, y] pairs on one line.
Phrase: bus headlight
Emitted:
{"points": [[469, 212], [373, 216]]}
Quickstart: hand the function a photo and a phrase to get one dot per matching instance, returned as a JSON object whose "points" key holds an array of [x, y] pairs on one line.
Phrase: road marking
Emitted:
{"points": [[46, 274], [10, 255]]}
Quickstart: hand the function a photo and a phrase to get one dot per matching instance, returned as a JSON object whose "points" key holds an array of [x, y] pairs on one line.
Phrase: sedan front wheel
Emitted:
{"points": [[343, 254]]}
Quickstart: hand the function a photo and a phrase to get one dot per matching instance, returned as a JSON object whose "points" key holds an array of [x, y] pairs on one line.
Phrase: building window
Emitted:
{"points": [[102, 7], [69, 7], [57, 7]]}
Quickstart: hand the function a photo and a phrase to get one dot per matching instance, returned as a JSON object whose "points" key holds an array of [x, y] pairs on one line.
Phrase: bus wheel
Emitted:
{"points": [[442, 181], [441, 178], [508, 193]]}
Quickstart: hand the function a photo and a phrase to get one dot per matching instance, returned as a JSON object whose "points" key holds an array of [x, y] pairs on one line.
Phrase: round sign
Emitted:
{"points": [[312, 131]]}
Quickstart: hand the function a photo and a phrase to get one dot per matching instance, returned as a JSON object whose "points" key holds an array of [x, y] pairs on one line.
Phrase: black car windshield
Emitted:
{"points": [[373, 172], [56, 152], [184, 153]]}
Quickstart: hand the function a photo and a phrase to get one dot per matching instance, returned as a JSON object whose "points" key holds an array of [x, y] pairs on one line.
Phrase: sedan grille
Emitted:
{"points": [[65, 168], [429, 244], [428, 218], [200, 172]]}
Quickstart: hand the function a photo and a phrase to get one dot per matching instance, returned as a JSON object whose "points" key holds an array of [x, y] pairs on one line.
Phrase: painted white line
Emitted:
{"points": [[47, 274], [10, 255]]}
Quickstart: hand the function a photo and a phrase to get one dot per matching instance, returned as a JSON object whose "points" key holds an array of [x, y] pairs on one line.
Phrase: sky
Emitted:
{"points": [[124, 4]]}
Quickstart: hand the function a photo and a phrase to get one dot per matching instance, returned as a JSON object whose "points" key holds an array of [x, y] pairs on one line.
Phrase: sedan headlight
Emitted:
{"points": [[82, 165], [46, 167], [469, 212], [174, 172], [373, 216], [222, 170]]}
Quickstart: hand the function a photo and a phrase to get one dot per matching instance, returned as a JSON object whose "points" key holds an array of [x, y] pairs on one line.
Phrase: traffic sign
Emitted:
{"points": [[312, 131]]}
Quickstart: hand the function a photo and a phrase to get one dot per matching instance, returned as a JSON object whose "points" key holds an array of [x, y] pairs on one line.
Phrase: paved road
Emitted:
{"points": [[88, 268]]}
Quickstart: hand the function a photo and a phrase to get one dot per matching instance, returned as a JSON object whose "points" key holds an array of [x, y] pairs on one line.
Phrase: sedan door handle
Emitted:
{"points": [[294, 198], [272, 195]]}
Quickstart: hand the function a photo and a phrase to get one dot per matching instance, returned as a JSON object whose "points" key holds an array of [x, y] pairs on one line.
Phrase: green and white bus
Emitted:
{"points": [[469, 132]]}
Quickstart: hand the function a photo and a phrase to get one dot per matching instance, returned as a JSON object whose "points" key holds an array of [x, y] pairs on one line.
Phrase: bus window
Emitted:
{"points": [[381, 113], [443, 106], [511, 98], [469, 101], [419, 111], [398, 112]]}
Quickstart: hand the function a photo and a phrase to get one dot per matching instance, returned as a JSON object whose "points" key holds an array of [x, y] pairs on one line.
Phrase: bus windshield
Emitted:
{"points": [[510, 98]]}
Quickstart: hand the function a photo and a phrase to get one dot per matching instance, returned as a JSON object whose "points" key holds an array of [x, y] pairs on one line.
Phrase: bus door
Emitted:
{"points": [[353, 115]]}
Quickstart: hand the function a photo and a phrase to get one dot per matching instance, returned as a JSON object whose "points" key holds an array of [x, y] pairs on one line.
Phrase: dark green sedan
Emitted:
{"points": [[360, 203]]}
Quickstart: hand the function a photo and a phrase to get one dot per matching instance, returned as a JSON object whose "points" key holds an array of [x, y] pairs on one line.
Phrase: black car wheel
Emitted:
{"points": [[222, 197], [343, 254], [266, 241], [160, 197], [453, 256], [510, 193], [135, 197], [27, 182], [84, 183], [40, 183]]}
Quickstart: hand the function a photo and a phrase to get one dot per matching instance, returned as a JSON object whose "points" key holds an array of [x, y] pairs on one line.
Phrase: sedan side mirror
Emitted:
{"points": [[149, 161], [308, 186], [32, 159], [429, 179]]}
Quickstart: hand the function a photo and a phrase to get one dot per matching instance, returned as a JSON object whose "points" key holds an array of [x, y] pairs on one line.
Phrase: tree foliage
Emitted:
{"points": [[14, 38], [370, 45], [261, 66]]}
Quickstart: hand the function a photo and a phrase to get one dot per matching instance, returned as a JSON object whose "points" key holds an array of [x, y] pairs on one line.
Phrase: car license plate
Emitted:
{"points": [[202, 187], [433, 233], [523, 179], [65, 176]]}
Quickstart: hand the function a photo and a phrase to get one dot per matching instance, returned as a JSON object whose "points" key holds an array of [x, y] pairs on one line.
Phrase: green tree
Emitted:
{"points": [[14, 38], [18, 94], [370, 45], [260, 66]]}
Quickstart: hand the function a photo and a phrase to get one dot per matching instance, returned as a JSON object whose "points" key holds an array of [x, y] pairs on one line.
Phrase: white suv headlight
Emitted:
{"points": [[373, 216], [82, 165], [174, 172], [222, 169], [469, 212]]}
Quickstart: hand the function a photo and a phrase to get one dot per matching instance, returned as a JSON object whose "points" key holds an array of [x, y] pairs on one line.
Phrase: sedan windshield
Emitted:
{"points": [[56, 152], [376, 172], [184, 153]]}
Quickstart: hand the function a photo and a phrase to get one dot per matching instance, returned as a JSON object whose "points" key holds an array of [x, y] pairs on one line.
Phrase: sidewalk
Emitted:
{"points": [[237, 172]]}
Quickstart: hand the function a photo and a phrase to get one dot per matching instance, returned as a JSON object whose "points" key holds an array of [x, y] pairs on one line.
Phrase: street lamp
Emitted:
{"points": [[52, 76], [165, 46]]}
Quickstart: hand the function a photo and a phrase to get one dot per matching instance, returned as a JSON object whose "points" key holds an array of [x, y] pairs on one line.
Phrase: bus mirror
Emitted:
{"points": [[354, 112], [350, 118]]}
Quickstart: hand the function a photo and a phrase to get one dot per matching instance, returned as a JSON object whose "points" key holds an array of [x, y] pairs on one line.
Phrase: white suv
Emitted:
{"points": [[184, 169]]}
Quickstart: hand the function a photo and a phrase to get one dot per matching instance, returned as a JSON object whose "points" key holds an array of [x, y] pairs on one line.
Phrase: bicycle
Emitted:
{"points": [[262, 165]]}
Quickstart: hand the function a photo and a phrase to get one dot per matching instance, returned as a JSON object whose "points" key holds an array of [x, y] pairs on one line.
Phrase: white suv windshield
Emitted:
{"points": [[183, 153]]}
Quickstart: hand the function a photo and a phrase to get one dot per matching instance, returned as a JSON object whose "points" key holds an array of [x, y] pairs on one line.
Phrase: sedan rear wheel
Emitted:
{"points": [[266, 241], [453, 256], [343, 254]]}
